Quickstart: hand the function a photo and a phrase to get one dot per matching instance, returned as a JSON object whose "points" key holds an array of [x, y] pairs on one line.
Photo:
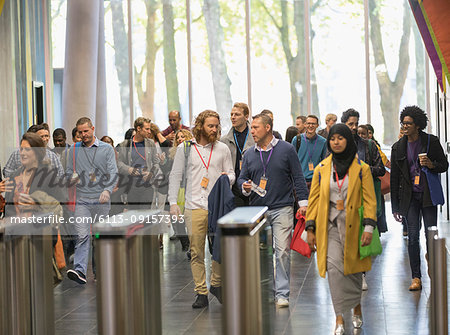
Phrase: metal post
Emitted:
{"points": [[41, 287], [5, 316], [441, 286], [26, 283], [152, 285], [367, 60], [437, 254], [19, 284], [307, 18], [112, 310], [247, 49], [189, 57], [242, 305], [128, 295], [432, 233]]}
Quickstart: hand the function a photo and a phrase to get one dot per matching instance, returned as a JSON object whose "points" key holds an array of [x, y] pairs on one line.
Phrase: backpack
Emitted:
{"points": [[297, 143]]}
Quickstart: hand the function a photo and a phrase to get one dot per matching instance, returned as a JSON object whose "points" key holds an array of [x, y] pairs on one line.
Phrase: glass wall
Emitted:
{"points": [[338, 61], [279, 80], [397, 66], [117, 79], [219, 65], [277, 60], [159, 59]]}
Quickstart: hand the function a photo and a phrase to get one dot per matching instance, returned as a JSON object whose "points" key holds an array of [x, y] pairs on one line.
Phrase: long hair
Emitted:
{"points": [[291, 132], [187, 135], [200, 121]]}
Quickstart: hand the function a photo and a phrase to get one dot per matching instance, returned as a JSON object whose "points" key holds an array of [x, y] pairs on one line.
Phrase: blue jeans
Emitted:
{"points": [[86, 211], [414, 224], [281, 220]]}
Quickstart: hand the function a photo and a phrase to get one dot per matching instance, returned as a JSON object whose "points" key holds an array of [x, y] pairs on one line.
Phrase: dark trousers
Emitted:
{"points": [[429, 215], [180, 232]]}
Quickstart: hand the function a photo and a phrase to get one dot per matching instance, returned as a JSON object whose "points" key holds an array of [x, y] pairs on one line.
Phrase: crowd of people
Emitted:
{"points": [[197, 174]]}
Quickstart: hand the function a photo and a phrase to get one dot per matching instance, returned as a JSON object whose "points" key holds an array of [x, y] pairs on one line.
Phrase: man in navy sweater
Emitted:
{"points": [[274, 166]]}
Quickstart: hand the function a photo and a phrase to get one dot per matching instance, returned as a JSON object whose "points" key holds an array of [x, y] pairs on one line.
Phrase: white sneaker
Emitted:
{"points": [[282, 302], [364, 283]]}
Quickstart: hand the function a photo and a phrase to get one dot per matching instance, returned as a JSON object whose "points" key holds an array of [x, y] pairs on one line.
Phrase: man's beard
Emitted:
{"points": [[210, 137]]}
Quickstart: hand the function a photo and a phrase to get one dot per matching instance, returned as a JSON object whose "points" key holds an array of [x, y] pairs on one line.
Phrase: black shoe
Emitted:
{"points": [[201, 301], [188, 254], [217, 292], [76, 276]]}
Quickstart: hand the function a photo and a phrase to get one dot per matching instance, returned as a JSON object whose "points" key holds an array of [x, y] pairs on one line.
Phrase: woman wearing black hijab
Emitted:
{"points": [[338, 183]]}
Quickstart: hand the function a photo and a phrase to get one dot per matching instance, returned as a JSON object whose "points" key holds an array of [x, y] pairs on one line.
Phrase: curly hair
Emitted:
{"points": [[187, 135], [417, 114], [154, 129], [200, 121], [348, 114]]}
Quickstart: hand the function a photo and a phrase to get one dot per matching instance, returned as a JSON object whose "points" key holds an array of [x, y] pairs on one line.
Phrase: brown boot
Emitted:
{"points": [[416, 285]]}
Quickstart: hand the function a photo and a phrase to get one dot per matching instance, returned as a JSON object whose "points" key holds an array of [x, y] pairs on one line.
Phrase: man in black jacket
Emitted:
{"points": [[367, 153], [410, 194]]}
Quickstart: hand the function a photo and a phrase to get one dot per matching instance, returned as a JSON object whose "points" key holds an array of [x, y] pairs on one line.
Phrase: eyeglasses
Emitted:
{"points": [[406, 123]]}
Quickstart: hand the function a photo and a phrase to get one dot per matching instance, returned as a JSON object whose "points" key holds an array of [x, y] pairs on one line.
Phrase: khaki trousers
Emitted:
{"points": [[197, 228]]}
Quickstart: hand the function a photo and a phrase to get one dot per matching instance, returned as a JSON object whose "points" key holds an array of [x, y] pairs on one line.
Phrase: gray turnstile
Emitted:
{"points": [[437, 269], [128, 282], [26, 280], [241, 270]]}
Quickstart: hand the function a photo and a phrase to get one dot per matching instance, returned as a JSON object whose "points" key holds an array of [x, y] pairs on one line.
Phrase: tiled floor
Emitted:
{"points": [[388, 306]]}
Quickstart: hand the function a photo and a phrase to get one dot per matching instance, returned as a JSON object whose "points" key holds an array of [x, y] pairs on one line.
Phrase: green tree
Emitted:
{"points": [[391, 91], [170, 64], [221, 81], [290, 21], [146, 96], [121, 55]]}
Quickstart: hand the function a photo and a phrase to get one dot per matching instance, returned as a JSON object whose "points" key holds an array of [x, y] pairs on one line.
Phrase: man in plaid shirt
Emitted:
{"points": [[14, 160]]}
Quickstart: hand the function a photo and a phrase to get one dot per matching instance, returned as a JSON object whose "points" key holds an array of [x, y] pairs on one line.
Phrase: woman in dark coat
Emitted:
{"points": [[410, 193]]}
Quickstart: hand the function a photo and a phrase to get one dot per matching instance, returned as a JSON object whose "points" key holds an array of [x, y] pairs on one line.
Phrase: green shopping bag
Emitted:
{"points": [[374, 248]]}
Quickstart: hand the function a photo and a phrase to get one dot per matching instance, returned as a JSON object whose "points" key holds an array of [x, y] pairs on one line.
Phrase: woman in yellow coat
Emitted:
{"points": [[333, 224]]}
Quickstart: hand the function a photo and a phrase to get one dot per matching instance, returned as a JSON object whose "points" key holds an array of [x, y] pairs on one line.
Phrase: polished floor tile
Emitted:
{"points": [[388, 307]]}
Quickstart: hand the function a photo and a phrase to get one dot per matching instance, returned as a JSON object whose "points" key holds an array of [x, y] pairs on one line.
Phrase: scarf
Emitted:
{"points": [[343, 160]]}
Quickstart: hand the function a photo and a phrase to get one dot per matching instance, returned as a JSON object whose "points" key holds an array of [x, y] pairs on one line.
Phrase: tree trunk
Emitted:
{"points": [[221, 81], [147, 98], [121, 56], [170, 64], [296, 64], [420, 67], [297, 101], [390, 91], [314, 95]]}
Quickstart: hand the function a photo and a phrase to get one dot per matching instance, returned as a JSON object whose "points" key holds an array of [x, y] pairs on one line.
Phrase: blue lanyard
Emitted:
{"points": [[236, 141], [268, 159]]}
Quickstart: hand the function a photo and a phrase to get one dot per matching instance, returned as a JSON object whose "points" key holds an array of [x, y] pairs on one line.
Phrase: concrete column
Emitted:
{"points": [[101, 117], [8, 108], [84, 85]]}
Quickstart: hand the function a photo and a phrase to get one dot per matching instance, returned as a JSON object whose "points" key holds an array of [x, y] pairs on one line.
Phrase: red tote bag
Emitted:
{"points": [[297, 243]]}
